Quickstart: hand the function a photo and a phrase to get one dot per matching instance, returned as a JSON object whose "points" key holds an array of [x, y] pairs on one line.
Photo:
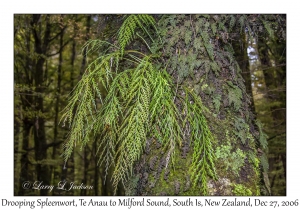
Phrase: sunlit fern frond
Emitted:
{"points": [[139, 103], [164, 114], [128, 29], [133, 128], [82, 105]]}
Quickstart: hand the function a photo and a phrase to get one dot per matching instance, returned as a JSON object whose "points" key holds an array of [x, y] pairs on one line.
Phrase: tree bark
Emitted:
{"points": [[57, 103], [192, 50], [41, 46]]}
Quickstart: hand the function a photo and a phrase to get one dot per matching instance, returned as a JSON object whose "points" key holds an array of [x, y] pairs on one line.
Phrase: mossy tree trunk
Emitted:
{"points": [[201, 57]]}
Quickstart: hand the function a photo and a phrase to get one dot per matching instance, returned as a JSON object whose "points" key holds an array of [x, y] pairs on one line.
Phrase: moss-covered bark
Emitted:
{"points": [[201, 58], [237, 167]]}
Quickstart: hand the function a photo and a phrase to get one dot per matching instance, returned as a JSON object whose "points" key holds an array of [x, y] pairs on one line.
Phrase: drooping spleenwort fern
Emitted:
{"points": [[128, 29], [139, 99], [203, 153]]}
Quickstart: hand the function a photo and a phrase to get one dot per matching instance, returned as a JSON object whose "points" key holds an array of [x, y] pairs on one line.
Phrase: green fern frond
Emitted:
{"points": [[217, 102], [262, 135], [215, 67], [232, 22], [127, 31], [81, 108], [164, 114], [268, 27], [208, 46], [235, 95], [242, 21], [213, 27], [203, 155], [264, 162]]}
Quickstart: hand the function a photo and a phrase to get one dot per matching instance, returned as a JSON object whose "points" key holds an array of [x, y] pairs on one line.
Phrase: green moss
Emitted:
{"points": [[178, 174], [255, 161], [241, 190], [231, 158]]}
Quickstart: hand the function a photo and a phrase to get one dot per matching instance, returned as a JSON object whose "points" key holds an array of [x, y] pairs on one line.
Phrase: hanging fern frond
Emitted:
{"points": [[164, 115], [128, 29], [203, 156], [79, 112], [235, 95], [124, 105], [217, 101], [134, 127], [264, 162], [262, 135]]}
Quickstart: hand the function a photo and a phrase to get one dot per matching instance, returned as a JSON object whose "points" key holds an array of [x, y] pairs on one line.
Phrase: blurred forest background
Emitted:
{"points": [[49, 61]]}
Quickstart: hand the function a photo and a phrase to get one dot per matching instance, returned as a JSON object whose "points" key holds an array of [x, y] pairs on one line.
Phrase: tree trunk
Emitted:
{"points": [[24, 176], [18, 144], [200, 59], [41, 46], [273, 53], [240, 48], [87, 37], [24, 77]]}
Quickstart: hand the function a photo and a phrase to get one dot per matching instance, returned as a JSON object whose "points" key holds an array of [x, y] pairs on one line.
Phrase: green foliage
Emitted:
{"points": [[254, 159], [231, 160], [217, 101], [242, 19], [130, 188], [125, 105], [234, 95], [232, 21], [207, 44], [208, 89], [262, 136], [268, 27], [164, 114], [203, 156], [139, 104], [128, 29], [136, 98], [264, 163], [241, 130], [82, 106], [127, 100], [241, 190]]}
